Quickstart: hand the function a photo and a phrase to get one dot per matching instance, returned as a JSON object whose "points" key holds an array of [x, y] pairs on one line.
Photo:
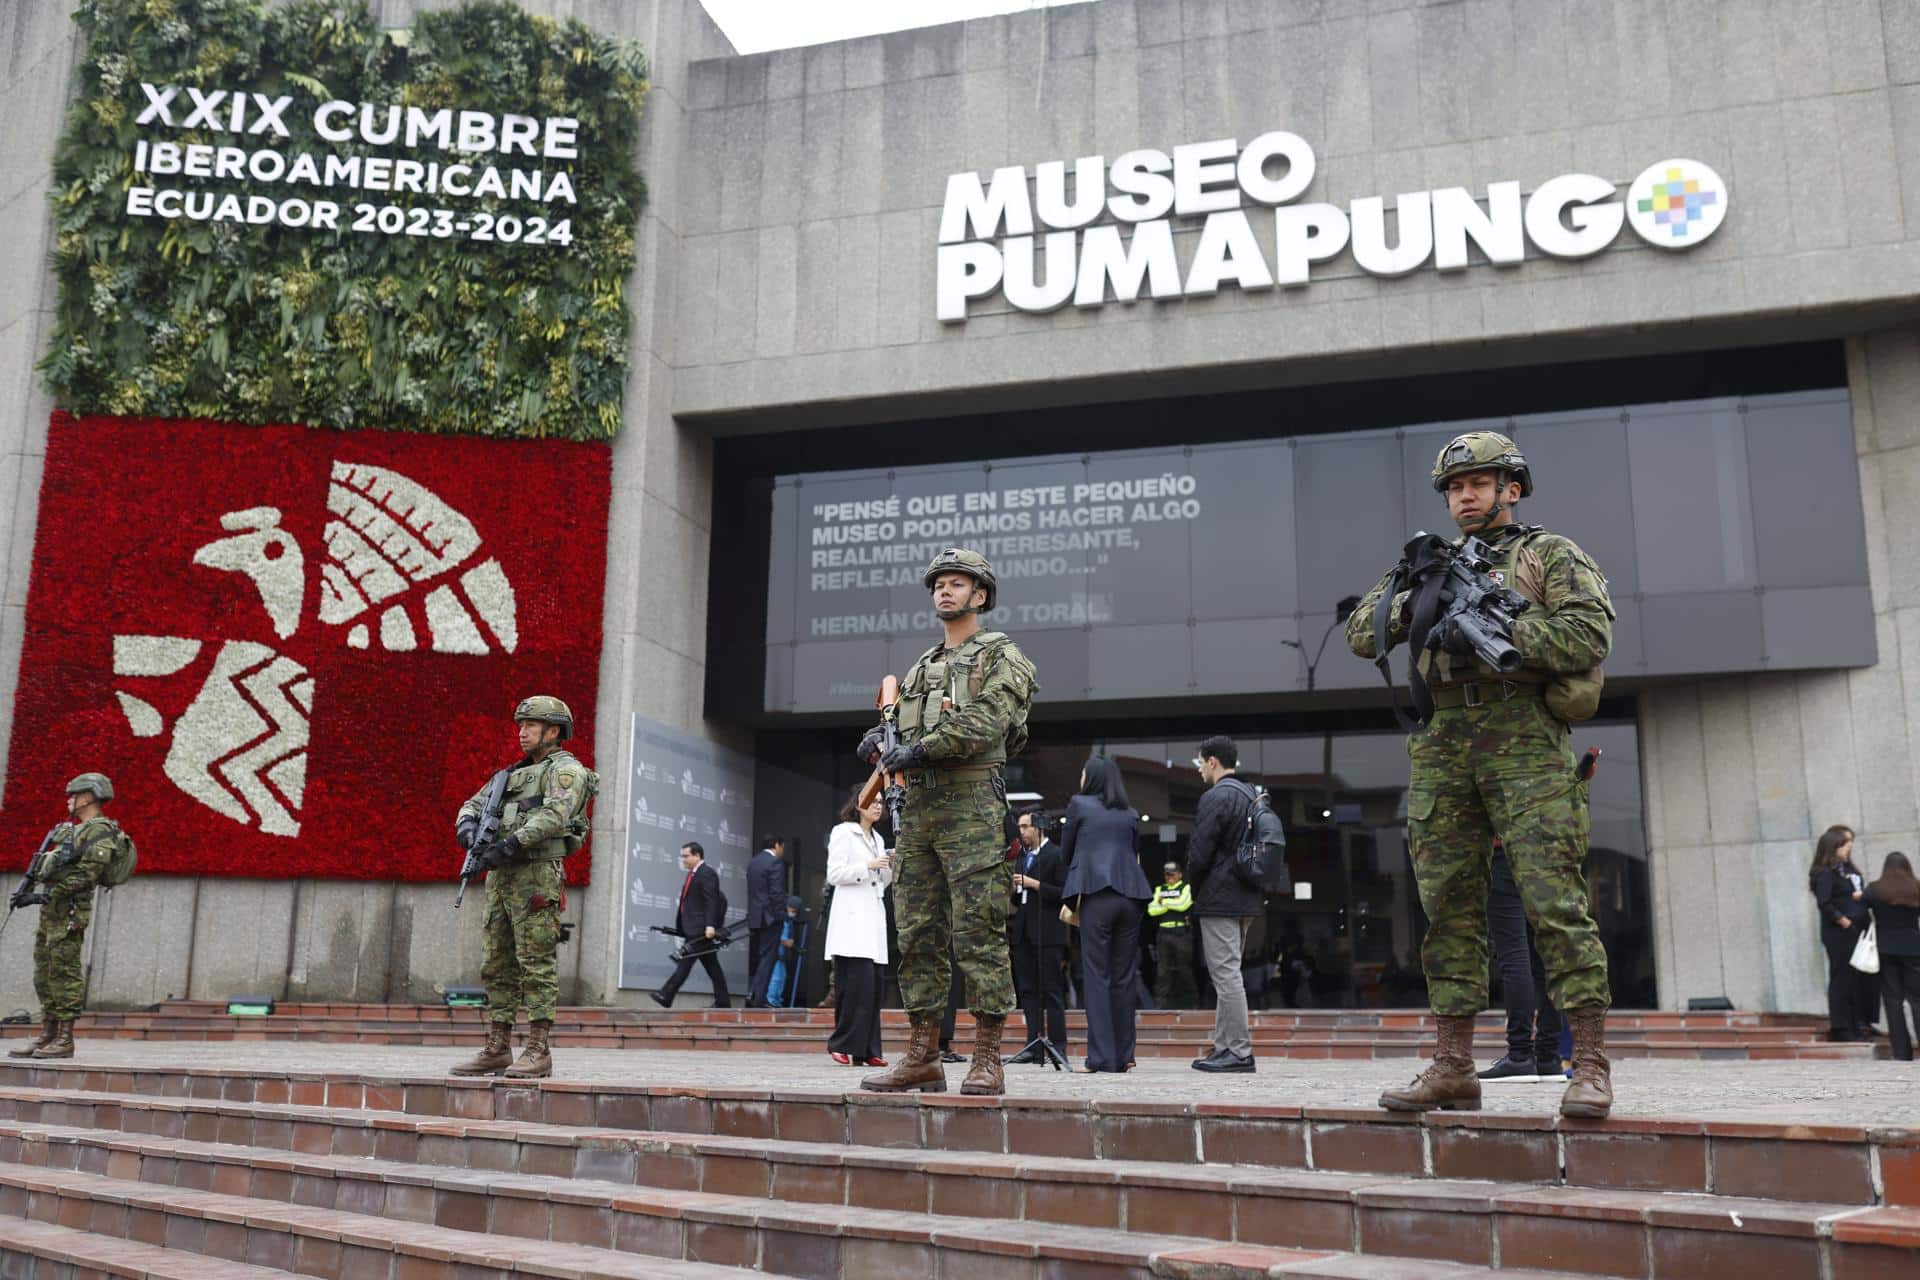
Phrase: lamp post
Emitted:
{"points": [[1341, 612]]}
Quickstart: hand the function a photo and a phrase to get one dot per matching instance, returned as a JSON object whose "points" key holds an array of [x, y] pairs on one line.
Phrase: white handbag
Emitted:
{"points": [[1866, 952]]}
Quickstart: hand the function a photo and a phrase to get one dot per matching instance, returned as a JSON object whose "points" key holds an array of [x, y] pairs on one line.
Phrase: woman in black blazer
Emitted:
{"points": [[1895, 900], [1104, 878], [1840, 891]]}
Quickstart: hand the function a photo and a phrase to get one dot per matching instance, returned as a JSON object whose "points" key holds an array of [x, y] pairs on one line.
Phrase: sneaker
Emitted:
{"points": [[1225, 1060], [1512, 1070], [1551, 1068]]}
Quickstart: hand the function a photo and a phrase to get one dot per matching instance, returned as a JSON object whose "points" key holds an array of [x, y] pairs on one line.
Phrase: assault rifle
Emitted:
{"points": [[893, 786], [1480, 611], [39, 867], [491, 806], [1454, 606]]}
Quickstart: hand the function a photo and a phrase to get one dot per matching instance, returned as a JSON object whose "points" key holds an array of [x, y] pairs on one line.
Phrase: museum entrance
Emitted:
{"points": [[1349, 937]]}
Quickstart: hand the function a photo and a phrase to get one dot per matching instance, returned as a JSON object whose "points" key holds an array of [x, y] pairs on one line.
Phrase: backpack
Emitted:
{"points": [[120, 866], [1260, 858]]}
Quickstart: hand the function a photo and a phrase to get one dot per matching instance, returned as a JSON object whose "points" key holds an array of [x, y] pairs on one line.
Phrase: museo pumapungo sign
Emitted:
{"points": [[1043, 242]]}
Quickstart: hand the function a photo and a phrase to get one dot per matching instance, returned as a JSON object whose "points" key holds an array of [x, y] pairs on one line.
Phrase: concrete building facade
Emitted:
{"points": [[787, 283]]}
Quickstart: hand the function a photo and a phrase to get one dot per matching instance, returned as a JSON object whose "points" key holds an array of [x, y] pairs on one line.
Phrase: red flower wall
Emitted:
{"points": [[296, 652]]}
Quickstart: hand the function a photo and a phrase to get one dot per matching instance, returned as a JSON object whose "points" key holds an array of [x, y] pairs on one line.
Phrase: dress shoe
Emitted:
{"points": [[948, 1055], [1225, 1060], [665, 1002], [843, 1059], [875, 1062], [1027, 1057]]}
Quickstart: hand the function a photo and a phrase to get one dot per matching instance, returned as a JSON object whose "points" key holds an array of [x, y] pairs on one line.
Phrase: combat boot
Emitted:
{"points": [[985, 1076], [27, 1050], [1450, 1084], [918, 1068], [1590, 1095], [495, 1058], [61, 1046], [536, 1057]]}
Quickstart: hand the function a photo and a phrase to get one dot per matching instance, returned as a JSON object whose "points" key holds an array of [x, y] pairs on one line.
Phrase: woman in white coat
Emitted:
{"points": [[859, 867]]}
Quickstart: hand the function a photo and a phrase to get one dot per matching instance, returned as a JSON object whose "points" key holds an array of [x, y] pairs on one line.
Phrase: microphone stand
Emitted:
{"points": [[1048, 1050]]}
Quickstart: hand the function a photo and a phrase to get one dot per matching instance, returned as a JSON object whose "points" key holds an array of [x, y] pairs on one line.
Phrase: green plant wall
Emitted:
{"points": [[267, 323]]}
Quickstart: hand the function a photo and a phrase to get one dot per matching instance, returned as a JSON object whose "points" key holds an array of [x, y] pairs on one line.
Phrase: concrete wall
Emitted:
{"points": [[814, 204], [1743, 774], [163, 936]]}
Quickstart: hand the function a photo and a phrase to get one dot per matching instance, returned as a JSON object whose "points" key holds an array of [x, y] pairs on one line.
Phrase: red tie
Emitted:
{"points": [[684, 886]]}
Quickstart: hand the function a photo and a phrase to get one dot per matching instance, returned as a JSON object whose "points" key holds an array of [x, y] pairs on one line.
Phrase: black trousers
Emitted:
{"points": [[1900, 988], [1040, 984], [1533, 1024], [759, 942], [1173, 954], [856, 1016], [710, 961], [1110, 959], [1843, 991], [956, 996]]}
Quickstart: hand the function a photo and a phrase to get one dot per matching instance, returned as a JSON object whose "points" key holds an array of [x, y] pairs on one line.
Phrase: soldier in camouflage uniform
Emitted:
{"points": [[81, 850], [543, 818], [962, 712], [1496, 762]]}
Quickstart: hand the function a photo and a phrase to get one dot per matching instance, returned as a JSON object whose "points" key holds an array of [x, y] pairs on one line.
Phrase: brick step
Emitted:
{"points": [[597, 1231], [312, 1241], [1322, 1019], [680, 1196], [32, 1250], [541, 1129]]}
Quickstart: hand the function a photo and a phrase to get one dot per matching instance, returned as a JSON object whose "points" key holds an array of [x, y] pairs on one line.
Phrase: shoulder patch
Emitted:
{"points": [[567, 778]]}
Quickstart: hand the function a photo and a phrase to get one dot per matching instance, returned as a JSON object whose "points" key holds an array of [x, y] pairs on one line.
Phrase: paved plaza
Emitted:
{"points": [[1858, 1093]]}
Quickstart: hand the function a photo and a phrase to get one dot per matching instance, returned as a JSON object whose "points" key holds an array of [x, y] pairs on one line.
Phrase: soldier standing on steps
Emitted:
{"points": [[1495, 761], [543, 818], [962, 712], [82, 849]]}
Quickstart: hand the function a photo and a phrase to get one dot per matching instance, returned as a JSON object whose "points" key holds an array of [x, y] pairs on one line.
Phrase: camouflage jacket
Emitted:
{"points": [[992, 711], [1570, 627], [545, 799], [92, 840]]}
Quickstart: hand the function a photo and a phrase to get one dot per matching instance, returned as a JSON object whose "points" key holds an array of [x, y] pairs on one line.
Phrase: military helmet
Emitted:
{"points": [[546, 710], [1481, 451], [94, 782], [971, 563]]}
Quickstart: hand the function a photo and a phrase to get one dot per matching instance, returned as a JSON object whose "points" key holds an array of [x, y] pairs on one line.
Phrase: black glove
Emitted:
{"points": [[870, 745], [466, 831], [28, 899], [1451, 638], [495, 853], [904, 757]]}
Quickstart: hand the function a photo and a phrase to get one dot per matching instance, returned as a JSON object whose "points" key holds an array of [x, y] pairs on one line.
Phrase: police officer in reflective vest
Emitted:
{"points": [[962, 713], [80, 852], [1495, 762], [542, 819], [1173, 985]]}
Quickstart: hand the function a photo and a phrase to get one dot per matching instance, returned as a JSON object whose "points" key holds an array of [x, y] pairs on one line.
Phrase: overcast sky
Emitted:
{"points": [[755, 25]]}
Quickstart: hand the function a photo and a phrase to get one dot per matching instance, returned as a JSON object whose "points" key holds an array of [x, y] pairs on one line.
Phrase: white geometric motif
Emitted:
{"points": [[240, 747]]}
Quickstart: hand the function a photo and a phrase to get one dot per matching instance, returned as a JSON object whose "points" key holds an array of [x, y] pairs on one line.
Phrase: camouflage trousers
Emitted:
{"points": [[520, 964], [1501, 771], [951, 887], [58, 950]]}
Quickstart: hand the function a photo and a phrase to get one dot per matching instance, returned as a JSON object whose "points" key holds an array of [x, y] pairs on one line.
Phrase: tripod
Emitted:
{"points": [[1040, 1044]]}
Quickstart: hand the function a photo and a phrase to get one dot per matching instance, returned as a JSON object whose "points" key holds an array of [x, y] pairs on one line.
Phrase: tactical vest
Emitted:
{"points": [[939, 686], [526, 792], [1570, 697]]}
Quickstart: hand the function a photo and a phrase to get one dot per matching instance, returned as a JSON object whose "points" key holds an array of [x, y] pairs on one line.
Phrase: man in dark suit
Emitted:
{"points": [[701, 914], [766, 900], [1038, 937]]}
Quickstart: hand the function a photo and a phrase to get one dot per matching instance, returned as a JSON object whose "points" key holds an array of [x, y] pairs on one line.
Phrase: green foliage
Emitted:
{"points": [[265, 323]]}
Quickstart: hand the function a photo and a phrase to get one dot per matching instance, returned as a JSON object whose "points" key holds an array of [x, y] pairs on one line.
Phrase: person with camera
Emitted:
{"points": [[1494, 761]]}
